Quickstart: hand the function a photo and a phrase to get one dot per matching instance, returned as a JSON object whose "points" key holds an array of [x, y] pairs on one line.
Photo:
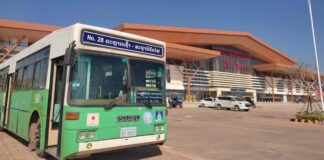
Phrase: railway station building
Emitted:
{"points": [[202, 63]]}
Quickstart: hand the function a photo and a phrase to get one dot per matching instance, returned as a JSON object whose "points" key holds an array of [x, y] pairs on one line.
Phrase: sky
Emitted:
{"points": [[283, 24]]}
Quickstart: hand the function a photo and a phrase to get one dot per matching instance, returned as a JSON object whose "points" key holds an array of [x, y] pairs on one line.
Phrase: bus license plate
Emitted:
{"points": [[128, 132]]}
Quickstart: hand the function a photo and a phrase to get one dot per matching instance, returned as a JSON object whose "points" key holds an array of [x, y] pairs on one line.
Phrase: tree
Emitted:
{"points": [[303, 74], [188, 69]]}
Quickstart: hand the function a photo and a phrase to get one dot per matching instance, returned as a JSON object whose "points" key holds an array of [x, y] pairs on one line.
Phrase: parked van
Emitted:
{"points": [[232, 102]]}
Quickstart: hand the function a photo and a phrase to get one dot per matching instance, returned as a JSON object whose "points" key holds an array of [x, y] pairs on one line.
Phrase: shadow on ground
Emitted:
{"points": [[128, 154], [135, 153]]}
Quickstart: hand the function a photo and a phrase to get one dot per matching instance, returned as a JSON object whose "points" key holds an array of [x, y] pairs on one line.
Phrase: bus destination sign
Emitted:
{"points": [[110, 41]]}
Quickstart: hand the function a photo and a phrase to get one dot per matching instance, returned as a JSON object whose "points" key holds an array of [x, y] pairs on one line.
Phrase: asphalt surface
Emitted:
{"points": [[205, 133]]}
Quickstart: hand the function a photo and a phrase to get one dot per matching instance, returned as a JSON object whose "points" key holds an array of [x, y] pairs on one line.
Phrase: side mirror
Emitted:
{"points": [[69, 57], [168, 75]]}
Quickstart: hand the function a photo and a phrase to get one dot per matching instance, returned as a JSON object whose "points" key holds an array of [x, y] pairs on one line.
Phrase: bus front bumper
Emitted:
{"points": [[88, 148]]}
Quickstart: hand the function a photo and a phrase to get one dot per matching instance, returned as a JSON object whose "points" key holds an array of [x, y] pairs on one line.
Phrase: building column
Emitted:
{"points": [[285, 98], [255, 98], [219, 92]]}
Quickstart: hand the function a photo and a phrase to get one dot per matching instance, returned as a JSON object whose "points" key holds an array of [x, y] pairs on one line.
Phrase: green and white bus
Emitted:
{"points": [[84, 89]]}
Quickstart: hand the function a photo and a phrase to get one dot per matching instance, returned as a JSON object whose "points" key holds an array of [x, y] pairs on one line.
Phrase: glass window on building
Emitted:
{"points": [[289, 86], [280, 86], [298, 88], [235, 60]]}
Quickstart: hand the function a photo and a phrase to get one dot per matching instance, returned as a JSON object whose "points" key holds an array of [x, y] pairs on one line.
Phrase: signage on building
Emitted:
{"points": [[234, 89], [235, 55], [109, 41], [236, 61]]}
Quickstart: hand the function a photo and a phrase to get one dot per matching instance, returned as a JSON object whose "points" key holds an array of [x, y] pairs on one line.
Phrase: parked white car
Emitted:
{"points": [[232, 102], [207, 102]]}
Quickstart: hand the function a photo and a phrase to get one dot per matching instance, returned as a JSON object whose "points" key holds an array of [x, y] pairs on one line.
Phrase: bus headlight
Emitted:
{"points": [[91, 135], [82, 135]]}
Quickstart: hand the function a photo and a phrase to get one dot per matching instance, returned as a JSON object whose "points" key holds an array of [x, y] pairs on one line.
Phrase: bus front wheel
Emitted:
{"points": [[34, 139]]}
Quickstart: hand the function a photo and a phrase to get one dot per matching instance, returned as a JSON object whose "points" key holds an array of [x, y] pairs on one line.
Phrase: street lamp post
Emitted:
{"points": [[315, 49]]}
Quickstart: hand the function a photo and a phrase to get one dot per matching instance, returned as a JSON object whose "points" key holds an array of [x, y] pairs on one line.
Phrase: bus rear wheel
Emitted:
{"points": [[34, 139]]}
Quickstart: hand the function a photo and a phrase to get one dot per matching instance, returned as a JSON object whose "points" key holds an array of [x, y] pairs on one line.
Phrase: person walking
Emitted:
{"points": [[251, 102]]}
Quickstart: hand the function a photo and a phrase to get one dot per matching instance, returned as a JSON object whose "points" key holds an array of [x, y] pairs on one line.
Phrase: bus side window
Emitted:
{"points": [[19, 78], [43, 73], [13, 81], [29, 77], [36, 75], [2, 83], [24, 79]]}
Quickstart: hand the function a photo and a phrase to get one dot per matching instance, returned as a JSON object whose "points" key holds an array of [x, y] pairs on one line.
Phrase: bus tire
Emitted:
{"points": [[41, 154], [34, 139], [31, 136]]}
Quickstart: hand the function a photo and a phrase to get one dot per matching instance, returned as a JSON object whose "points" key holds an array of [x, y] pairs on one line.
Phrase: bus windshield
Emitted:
{"points": [[148, 81], [98, 79]]}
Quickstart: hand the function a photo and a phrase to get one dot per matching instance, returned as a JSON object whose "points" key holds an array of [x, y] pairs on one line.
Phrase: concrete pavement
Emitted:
{"points": [[206, 133]]}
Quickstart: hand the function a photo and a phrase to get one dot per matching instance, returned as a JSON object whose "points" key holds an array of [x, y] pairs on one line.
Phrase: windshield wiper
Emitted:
{"points": [[113, 102]]}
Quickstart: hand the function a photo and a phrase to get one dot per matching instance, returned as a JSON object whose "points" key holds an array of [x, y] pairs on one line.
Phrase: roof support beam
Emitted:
{"points": [[7, 51]]}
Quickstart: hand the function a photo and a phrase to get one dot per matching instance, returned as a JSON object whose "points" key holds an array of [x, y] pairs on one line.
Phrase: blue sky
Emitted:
{"points": [[284, 24]]}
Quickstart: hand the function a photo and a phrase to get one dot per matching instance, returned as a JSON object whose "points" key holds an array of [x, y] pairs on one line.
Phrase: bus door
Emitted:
{"points": [[56, 95], [7, 99]]}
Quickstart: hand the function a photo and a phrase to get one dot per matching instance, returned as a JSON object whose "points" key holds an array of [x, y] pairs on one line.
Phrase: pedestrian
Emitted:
{"points": [[251, 102]]}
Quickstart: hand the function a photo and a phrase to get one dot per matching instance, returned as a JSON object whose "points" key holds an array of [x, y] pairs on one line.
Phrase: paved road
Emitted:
{"points": [[259, 134], [203, 133], [12, 148]]}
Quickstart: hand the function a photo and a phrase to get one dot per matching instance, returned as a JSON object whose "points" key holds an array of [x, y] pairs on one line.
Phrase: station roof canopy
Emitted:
{"points": [[182, 43], [282, 69], [15, 30], [200, 38], [274, 67], [188, 53]]}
